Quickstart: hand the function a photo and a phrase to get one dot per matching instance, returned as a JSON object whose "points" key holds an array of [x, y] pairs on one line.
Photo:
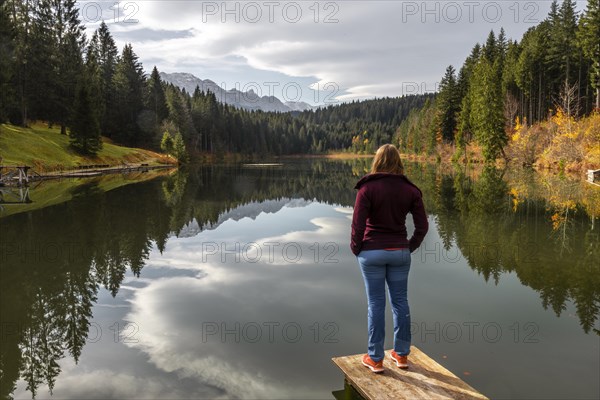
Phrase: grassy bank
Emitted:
{"points": [[45, 149], [56, 191]]}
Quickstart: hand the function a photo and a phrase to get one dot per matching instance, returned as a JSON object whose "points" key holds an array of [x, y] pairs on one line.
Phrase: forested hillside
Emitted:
{"points": [[533, 94], [52, 72]]}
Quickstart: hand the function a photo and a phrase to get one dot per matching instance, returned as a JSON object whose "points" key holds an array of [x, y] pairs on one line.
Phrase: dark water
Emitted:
{"points": [[237, 282]]}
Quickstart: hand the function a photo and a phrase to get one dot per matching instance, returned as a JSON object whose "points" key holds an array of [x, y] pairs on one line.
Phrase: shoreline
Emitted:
{"points": [[104, 170], [87, 173], [99, 170], [446, 159]]}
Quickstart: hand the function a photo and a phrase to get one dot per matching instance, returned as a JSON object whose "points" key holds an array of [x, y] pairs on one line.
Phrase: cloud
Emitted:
{"points": [[370, 48], [152, 35]]}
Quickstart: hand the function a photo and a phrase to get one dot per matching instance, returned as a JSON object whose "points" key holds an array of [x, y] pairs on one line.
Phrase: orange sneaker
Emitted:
{"points": [[376, 367], [401, 361]]}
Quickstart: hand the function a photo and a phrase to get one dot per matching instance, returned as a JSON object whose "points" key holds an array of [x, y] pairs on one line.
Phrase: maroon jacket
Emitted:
{"points": [[382, 202]]}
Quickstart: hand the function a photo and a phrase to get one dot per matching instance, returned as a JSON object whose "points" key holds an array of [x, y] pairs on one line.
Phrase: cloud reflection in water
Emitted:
{"points": [[249, 327]]}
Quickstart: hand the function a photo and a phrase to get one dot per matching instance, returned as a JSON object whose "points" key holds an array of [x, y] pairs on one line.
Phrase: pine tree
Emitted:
{"points": [[179, 150], [155, 99], [198, 105], [42, 68], [129, 83], [562, 52], [180, 111], [501, 47], [108, 56], [532, 77], [7, 64], [509, 71], [93, 72], [84, 135], [464, 130], [69, 40], [510, 89], [487, 110], [490, 50], [166, 144], [589, 39], [448, 104], [26, 27]]}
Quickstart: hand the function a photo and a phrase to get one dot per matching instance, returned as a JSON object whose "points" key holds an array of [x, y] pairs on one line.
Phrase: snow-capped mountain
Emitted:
{"points": [[249, 210], [248, 100]]}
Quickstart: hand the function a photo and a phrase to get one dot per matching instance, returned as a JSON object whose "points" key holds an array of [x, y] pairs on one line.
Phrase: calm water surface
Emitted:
{"points": [[237, 281]]}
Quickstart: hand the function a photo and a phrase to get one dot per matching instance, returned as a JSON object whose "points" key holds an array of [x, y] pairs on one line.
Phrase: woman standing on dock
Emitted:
{"points": [[379, 241]]}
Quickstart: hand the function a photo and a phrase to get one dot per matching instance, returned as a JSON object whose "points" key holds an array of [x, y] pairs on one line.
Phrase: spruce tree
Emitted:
{"points": [[179, 149], [562, 53], [155, 98], [487, 110], [448, 104], [26, 27], [464, 129], [589, 39], [490, 49], [532, 77], [7, 64], [43, 66], [84, 135], [166, 143], [501, 47], [69, 41], [93, 72], [129, 83], [108, 57]]}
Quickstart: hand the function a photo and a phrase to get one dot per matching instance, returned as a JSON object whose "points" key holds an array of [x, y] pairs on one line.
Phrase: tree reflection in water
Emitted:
{"points": [[55, 259]]}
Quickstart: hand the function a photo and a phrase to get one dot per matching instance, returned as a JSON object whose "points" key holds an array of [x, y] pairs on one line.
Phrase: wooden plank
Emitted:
{"points": [[424, 379]]}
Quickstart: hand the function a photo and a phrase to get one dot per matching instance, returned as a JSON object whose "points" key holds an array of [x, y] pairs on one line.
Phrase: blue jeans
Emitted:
{"points": [[379, 267]]}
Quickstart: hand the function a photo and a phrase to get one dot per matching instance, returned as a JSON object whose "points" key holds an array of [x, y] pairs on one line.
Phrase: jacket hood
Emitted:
{"points": [[384, 175]]}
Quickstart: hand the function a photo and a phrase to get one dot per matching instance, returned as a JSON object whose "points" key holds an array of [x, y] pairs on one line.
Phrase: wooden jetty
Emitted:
{"points": [[18, 174], [424, 379], [9, 173]]}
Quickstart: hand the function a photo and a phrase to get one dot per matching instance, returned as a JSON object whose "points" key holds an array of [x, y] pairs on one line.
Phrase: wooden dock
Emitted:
{"points": [[17, 173], [11, 175], [424, 379]]}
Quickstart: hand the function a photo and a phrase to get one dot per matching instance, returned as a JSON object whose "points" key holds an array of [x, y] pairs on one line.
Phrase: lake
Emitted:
{"points": [[237, 281]]}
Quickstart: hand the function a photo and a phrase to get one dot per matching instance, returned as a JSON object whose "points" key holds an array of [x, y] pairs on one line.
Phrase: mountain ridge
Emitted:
{"points": [[247, 100]]}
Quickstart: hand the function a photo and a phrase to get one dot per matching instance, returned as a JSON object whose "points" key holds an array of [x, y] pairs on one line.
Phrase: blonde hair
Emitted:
{"points": [[387, 159]]}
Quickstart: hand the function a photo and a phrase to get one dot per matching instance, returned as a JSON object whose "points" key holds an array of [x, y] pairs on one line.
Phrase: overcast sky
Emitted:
{"points": [[347, 49]]}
